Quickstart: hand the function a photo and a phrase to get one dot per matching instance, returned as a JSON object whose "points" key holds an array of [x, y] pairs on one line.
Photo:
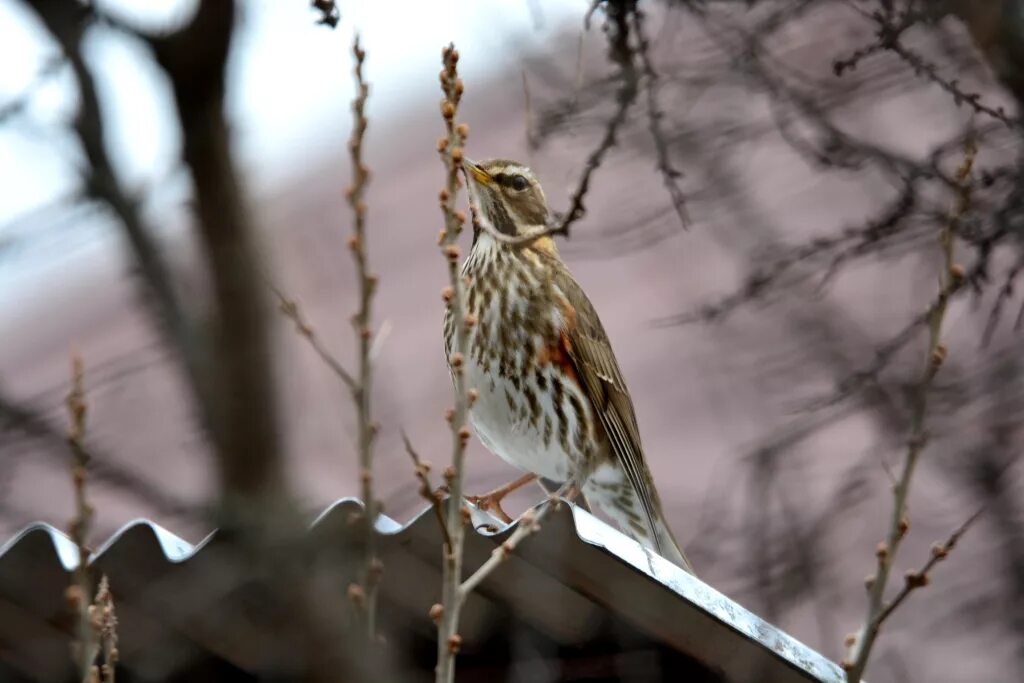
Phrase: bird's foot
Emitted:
{"points": [[491, 501]]}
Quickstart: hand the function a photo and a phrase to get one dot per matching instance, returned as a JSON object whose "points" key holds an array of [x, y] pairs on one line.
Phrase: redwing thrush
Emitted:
{"points": [[551, 398]]}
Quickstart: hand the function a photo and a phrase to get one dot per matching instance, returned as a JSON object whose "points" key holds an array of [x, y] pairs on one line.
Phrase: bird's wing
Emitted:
{"points": [[591, 354]]}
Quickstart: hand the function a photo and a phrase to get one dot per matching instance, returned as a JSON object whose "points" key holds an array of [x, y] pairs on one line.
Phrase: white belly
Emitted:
{"points": [[504, 423]]}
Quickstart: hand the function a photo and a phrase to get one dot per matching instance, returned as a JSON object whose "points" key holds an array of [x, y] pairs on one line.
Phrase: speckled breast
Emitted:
{"points": [[530, 410]]}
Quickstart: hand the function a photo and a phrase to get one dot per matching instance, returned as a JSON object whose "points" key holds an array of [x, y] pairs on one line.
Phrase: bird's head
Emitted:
{"points": [[508, 194]]}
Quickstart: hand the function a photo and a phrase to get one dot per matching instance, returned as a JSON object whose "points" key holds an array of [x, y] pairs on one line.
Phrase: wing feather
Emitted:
{"points": [[591, 354]]}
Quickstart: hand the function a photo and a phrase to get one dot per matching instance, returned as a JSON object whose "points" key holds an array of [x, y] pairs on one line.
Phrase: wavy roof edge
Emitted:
{"points": [[692, 594]]}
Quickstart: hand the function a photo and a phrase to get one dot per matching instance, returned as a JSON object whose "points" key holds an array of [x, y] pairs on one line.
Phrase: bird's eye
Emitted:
{"points": [[519, 183]]}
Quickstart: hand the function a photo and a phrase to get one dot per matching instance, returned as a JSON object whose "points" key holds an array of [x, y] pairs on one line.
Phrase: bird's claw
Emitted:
{"points": [[490, 503]]}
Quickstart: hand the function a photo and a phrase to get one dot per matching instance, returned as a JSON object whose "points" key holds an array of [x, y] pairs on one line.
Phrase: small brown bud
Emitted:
{"points": [[454, 643], [850, 639], [443, 195], [366, 333], [376, 568], [459, 88], [472, 395], [436, 612], [449, 473], [447, 110], [464, 434], [915, 579], [456, 360], [470, 320], [956, 271], [441, 236], [366, 476], [442, 145], [449, 415], [354, 243], [882, 551], [457, 155], [939, 355], [356, 594], [846, 665], [506, 549], [904, 525], [940, 551], [452, 252], [460, 216], [463, 130], [447, 294]]}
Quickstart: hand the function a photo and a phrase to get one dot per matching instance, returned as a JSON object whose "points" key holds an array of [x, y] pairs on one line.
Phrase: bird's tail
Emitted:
{"points": [[669, 547], [629, 514]]}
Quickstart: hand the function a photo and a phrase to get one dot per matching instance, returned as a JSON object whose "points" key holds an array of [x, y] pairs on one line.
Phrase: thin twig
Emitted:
{"points": [[450, 148], [427, 490], [107, 630], [919, 578], [361, 391], [291, 310], [669, 174], [952, 279], [79, 595]]}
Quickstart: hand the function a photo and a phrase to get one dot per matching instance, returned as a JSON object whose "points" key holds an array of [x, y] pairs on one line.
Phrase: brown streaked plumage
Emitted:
{"points": [[551, 397]]}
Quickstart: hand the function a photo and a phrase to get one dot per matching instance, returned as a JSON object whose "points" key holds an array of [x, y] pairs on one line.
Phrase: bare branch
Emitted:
{"points": [[919, 579], [291, 310], [427, 490], [361, 391], [952, 279], [450, 148], [669, 174]]}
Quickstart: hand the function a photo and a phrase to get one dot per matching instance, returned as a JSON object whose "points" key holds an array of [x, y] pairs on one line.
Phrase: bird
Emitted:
{"points": [[550, 398]]}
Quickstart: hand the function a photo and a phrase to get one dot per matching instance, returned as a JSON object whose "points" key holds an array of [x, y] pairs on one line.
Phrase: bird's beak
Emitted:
{"points": [[479, 175]]}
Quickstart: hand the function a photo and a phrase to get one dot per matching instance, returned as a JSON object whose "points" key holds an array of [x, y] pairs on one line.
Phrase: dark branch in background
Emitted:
{"points": [[620, 53], [19, 418], [891, 25], [67, 20], [669, 174], [243, 420], [330, 15]]}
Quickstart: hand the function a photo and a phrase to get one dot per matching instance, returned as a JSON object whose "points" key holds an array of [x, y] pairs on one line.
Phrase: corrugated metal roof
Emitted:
{"points": [[567, 583]]}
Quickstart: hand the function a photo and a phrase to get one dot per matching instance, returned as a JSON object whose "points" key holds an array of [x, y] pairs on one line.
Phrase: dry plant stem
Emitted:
{"points": [[951, 280], [290, 309], [361, 391], [86, 645], [919, 579], [451, 154], [427, 490], [107, 623]]}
